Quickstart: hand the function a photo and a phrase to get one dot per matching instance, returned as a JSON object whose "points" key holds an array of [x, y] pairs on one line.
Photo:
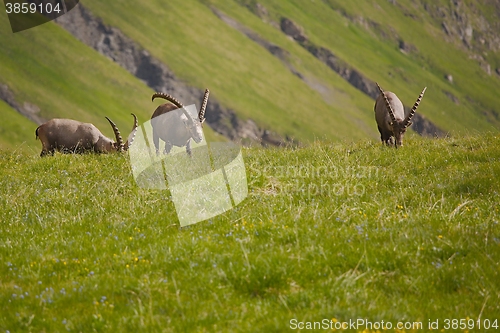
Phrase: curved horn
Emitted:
{"points": [[131, 136], [168, 97], [410, 115], [172, 100], [387, 104], [203, 107], [118, 136]]}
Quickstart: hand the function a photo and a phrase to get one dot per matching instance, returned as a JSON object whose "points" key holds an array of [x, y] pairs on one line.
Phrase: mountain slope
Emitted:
{"points": [[206, 52], [239, 51], [186, 44], [15, 130], [60, 77]]}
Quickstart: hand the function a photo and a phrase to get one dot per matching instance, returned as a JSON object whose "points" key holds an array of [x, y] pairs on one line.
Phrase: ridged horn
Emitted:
{"points": [[131, 136], [203, 107], [387, 104], [413, 109], [172, 100], [118, 136], [168, 97]]}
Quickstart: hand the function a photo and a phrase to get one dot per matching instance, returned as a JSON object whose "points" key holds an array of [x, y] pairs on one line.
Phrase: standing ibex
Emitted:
{"points": [[176, 128], [71, 136], [390, 116]]}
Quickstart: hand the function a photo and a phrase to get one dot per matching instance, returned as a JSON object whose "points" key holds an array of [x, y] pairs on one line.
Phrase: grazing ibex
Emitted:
{"points": [[71, 136], [176, 128], [390, 116]]}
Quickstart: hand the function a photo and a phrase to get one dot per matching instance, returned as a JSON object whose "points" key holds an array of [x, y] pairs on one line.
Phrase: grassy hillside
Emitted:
{"points": [[16, 131], [49, 68], [246, 77], [426, 66], [206, 52], [335, 232]]}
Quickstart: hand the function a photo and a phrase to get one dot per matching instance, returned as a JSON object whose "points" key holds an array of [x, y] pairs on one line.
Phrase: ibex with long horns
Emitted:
{"points": [[390, 116], [177, 128], [71, 136]]}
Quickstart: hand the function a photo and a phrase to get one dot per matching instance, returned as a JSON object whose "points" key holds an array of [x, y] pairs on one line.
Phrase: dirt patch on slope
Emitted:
{"points": [[30, 111]]}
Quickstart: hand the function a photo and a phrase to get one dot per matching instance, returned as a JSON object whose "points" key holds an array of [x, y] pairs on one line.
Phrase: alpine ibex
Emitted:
{"points": [[390, 116], [176, 128], [71, 136]]}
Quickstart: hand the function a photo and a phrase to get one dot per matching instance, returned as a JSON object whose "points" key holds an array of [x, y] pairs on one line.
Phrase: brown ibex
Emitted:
{"points": [[176, 128], [390, 116], [71, 136]]}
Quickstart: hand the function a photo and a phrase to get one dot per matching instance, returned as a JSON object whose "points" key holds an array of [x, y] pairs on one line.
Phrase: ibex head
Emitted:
{"points": [[118, 145], [389, 113]]}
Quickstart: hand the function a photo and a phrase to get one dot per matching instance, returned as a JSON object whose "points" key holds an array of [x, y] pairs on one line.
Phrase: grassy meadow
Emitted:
{"points": [[333, 232]]}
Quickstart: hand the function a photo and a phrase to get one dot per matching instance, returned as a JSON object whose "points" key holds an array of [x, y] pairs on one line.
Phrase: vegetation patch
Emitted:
{"points": [[330, 231]]}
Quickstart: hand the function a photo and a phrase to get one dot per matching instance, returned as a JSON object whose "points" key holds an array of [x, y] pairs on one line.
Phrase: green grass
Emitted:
{"points": [[329, 231], [15, 129]]}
